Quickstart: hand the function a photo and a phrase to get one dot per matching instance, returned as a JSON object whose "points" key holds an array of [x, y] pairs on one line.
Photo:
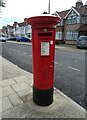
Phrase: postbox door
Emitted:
{"points": [[43, 58]]}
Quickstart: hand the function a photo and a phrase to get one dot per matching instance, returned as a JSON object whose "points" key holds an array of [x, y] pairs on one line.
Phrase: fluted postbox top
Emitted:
{"points": [[43, 21]]}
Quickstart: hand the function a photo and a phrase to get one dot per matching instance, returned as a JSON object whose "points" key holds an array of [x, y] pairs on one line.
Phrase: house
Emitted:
{"points": [[0, 32], [73, 23], [19, 29], [10, 31], [61, 27]]}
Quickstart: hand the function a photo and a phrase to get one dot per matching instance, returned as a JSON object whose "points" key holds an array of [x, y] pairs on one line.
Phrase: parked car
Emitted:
{"points": [[12, 38], [22, 39], [3, 39], [82, 42]]}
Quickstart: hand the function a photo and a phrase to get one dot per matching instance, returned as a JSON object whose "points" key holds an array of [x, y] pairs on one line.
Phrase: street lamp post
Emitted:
{"points": [[49, 7]]}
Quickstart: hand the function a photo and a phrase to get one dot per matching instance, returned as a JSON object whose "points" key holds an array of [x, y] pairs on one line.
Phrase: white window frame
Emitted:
{"points": [[71, 35], [59, 35]]}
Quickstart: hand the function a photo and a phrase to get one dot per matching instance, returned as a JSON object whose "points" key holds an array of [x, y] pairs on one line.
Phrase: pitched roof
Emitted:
{"points": [[21, 24], [62, 14], [9, 26], [82, 10]]}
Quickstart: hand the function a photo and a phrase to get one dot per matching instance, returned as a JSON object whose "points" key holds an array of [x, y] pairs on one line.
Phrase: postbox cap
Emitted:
{"points": [[44, 21]]}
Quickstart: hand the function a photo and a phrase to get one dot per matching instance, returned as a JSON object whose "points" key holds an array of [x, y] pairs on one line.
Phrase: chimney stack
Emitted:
{"points": [[79, 4]]}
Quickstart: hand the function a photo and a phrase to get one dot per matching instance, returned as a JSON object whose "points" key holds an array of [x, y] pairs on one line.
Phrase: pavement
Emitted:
{"points": [[16, 97]]}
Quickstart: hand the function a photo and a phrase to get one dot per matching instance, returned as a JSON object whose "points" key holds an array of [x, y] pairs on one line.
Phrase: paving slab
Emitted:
{"points": [[55, 110], [29, 82], [86, 115], [10, 70], [6, 104], [62, 107], [0, 76], [30, 76], [0, 116], [6, 91], [25, 92], [17, 112], [0, 105], [20, 86], [15, 99], [0, 91], [7, 82], [27, 98], [21, 79]]}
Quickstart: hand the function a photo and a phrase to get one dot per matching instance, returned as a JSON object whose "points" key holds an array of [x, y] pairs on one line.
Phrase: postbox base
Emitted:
{"points": [[43, 97]]}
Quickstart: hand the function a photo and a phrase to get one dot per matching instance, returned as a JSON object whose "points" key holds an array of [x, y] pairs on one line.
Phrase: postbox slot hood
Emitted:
{"points": [[44, 34]]}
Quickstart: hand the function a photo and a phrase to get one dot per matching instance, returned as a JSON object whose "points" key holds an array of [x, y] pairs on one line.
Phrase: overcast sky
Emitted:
{"points": [[17, 10]]}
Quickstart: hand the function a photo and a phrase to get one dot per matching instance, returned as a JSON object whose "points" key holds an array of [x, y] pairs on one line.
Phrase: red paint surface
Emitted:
{"points": [[43, 30]]}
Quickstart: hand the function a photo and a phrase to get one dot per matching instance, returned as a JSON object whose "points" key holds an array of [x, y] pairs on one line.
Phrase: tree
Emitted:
{"points": [[2, 3]]}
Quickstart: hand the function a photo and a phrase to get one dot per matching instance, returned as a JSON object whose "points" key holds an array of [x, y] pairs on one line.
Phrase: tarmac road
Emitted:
{"points": [[69, 68]]}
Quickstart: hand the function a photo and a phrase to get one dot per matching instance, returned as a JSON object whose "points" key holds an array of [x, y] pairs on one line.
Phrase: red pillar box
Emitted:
{"points": [[43, 49]]}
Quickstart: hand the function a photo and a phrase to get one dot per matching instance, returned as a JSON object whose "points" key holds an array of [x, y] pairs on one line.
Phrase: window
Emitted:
{"points": [[59, 35], [71, 35], [28, 29], [22, 29], [73, 19], [78, 19]]}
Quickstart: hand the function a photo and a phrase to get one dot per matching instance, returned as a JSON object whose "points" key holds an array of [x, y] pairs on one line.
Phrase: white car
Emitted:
{"points": [[3, 39], [82, 42]]}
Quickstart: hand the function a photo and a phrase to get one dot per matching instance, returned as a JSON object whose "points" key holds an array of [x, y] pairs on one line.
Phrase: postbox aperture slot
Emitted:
{"points": [[45, 34]]}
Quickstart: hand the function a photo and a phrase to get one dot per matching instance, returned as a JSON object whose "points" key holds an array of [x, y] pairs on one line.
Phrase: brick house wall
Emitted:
{"points": [[74, 23]]}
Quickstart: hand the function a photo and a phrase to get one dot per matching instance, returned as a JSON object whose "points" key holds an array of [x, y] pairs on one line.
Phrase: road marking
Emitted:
{"points": [[74, 69]]}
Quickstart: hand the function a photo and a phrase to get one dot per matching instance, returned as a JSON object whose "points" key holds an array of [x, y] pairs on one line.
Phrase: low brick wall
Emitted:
{"points": [[69, 42]]}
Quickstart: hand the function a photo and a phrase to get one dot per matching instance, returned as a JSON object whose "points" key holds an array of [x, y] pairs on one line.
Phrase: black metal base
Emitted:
{"points": [[43, 97]]}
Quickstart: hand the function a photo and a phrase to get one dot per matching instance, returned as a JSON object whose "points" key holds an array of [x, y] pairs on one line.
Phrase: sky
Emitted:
{"points": [[17, 10]]}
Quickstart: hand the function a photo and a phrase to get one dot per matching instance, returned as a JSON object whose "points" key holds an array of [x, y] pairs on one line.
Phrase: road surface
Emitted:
{"points": [[69, 68]]}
